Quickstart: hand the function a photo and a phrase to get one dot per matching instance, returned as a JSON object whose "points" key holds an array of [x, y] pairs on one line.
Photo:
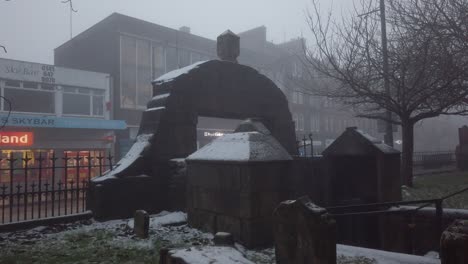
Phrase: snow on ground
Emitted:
{"points": [[210, 254], [383, 257], [114, 240]]}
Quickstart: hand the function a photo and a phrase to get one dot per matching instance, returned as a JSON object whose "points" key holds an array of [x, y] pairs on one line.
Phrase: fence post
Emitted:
{"points": [[438, 220]]}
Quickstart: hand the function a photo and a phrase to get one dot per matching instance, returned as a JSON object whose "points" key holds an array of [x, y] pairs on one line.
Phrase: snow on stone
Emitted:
{"points": [[210, 254], [161, 96], [164, 218], [176, 73], [384, 257], [155, 108], [133, 154], [243, 146]]}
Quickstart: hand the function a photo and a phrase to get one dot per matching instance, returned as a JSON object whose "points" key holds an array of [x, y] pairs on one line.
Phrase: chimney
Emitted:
{"points": [[228, 46], [185, 29]]}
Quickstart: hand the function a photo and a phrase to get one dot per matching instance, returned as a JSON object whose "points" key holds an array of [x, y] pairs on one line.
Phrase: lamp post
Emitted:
{"points": [[388, 138]]}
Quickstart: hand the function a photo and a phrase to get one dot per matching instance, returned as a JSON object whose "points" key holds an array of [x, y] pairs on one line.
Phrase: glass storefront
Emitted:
{"points": [[80, 165]]}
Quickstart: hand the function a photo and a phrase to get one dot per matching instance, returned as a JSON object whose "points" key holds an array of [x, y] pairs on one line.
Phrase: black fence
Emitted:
{"points": [[434, 160], [44, 185]]}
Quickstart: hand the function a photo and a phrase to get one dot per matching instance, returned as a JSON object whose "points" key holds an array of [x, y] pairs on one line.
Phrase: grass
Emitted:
{"points": [[439, 185], [94, 246]]}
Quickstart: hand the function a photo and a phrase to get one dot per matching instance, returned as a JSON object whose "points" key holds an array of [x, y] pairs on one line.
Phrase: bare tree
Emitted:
{"points": [[427, 56]]}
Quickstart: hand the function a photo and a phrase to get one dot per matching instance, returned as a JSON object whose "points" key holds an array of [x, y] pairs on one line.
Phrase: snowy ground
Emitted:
{"points": [[114, 242]]}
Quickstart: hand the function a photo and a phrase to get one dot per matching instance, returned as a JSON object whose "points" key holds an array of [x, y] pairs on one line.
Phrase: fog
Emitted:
{"points": [[31, 29]]}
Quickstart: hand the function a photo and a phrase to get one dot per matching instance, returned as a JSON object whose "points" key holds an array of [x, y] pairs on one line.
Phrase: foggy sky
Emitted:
{"points": [[31, 29]]}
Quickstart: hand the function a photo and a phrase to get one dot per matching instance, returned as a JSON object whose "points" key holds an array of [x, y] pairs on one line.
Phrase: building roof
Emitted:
{"points": [[356, 142]]}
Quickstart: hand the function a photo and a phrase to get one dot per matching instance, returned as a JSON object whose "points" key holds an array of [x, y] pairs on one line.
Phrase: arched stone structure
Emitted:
{"points": [[168, 130]]}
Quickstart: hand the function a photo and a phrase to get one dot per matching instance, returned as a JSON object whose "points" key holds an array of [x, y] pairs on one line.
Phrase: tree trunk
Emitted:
{"points": [[407, 153]]}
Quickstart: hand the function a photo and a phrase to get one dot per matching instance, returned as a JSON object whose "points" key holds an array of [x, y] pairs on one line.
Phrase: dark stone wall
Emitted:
{"points": [[236, 198]]}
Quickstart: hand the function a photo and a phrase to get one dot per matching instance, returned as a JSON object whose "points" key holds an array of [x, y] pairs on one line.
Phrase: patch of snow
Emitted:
{"points": [[155, 108], [164, 218], [242, 146], [383, 257], [210, 254], [161, 96], [142, 141], [176, 73]]}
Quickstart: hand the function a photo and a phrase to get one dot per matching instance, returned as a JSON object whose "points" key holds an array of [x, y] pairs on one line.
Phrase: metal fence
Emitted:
{"points": [[435, 159], [35, 187]]}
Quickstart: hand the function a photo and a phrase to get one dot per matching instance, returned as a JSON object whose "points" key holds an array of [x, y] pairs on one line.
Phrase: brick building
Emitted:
{"points": [[135, 52]]}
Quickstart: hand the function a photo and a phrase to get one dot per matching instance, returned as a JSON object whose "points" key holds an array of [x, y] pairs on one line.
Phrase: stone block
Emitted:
{"points": [[141, 224], [256, 232], [304, 233], [229, 224], [454, 243], [203, 220]]}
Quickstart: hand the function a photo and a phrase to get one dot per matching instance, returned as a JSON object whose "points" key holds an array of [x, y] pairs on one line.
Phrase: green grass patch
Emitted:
{"points": [[438, 185], [96, 246]]}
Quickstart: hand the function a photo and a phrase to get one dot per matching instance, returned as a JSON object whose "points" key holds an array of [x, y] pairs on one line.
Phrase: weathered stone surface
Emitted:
{"points": [[304, 233], [228, 46], [223, 239], [212, 88], [207, 254], [454, 243], [141, 224]]}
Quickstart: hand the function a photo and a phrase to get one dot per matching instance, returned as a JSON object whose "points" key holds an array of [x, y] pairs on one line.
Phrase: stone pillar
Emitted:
{"points": [[454, 243], [228, 46], [304, 233], [141, 224]]}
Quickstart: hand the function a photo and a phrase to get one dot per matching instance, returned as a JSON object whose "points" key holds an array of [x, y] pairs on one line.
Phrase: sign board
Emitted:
{"points": [[16, 139], [44, 73], [18, 120]]}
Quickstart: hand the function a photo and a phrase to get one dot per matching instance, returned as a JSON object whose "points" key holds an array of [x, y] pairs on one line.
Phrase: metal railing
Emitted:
{"points": [[42, 186], [434, 159], [385, 209]]}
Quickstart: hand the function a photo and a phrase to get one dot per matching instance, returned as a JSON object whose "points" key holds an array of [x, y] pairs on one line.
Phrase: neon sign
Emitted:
{"points": [[16, 139]]}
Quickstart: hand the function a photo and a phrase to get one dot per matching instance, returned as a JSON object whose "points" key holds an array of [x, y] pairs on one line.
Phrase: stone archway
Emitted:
{"points": [[213, 88]]}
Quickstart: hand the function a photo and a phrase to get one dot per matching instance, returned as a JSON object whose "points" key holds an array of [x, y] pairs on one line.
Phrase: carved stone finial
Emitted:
{"points": [[228, 46]]}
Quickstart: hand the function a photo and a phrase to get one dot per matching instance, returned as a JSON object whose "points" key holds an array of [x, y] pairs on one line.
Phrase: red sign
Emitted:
{"points": [[16, 139]]}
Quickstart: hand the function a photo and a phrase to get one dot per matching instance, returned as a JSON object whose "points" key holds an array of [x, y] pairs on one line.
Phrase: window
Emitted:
{"points": [[159, 61], [143, 73], [300, 98], [171, 59], [128, 72], [326, 124], [297, 69], [184, 58], [314, 123], [294, 97], [300, 122], [83, 101], [296, 121], [21, 98], [44, 102], [76, 104], [136, 73], [194, 57]]}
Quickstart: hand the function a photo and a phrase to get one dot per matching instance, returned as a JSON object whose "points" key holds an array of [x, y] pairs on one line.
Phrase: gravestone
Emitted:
{"points": [[454, 243], [304, 233], [141, 224]]}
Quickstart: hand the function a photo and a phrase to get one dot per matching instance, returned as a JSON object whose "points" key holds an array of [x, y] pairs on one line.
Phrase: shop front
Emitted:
{"points": [[39, 148]]}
